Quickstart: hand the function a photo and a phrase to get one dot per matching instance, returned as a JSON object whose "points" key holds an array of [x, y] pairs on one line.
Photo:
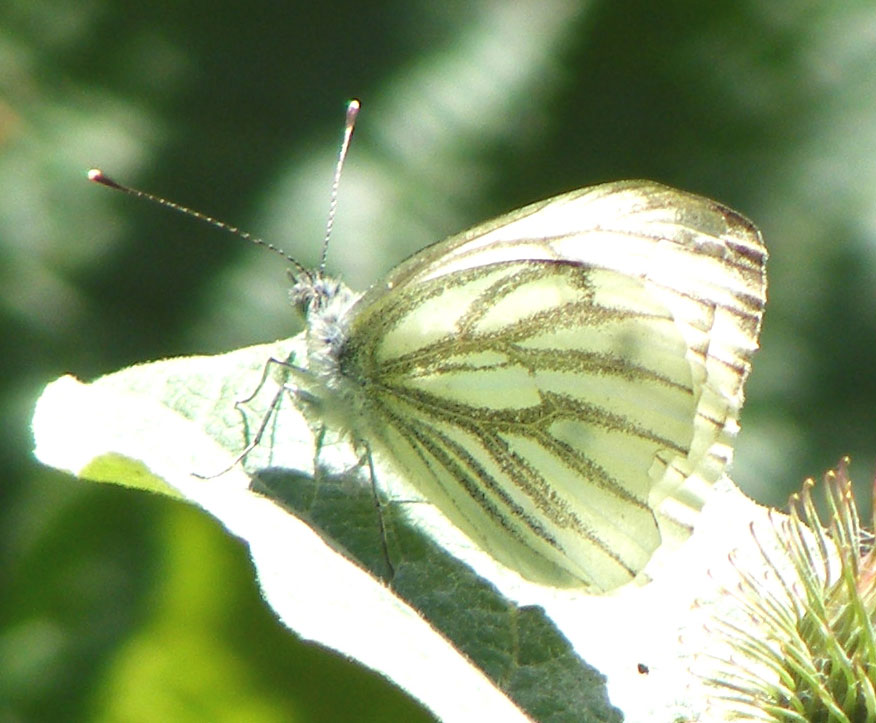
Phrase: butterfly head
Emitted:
{"points": [[315, 295]]}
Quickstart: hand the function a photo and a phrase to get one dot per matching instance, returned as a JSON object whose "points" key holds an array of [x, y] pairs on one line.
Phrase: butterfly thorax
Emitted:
{"points": [[324, 303]]}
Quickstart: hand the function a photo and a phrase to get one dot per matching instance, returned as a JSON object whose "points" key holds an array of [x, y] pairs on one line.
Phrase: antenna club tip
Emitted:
{"points": [[97, 176], [352, 111]]}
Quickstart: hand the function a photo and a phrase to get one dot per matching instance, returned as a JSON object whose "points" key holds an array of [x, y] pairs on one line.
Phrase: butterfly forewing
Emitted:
{"points": [[564, 382]]}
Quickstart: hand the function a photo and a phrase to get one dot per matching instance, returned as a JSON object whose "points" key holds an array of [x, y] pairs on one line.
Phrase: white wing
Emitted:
{"points": [[554, 379]]}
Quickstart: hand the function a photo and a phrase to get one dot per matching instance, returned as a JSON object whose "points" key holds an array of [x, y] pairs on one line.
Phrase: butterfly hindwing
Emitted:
{"points": [[564, 382]]}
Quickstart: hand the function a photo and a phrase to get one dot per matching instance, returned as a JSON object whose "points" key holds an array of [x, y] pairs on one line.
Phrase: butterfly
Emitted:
{"points": [[563, 382]]}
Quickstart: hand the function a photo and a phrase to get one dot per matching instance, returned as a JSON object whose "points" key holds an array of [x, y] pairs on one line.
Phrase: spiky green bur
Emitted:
{"points": [[804, 648]]}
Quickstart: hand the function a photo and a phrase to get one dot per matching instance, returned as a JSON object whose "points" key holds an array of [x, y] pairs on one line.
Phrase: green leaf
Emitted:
{"points": [[436, 628], [416, 600]]}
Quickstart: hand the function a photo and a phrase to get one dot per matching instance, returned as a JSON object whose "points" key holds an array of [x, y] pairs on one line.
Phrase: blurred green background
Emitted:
{"points": [[119, 606]]}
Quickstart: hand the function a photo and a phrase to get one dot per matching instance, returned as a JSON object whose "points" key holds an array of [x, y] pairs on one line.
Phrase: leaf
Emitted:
{"points": [[440, 631]]}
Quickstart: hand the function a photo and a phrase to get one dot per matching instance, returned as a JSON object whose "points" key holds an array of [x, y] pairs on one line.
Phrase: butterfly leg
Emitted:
{"points": [[263, 425], [378, 508], [356, 470], [267, 368], [302, 399]]}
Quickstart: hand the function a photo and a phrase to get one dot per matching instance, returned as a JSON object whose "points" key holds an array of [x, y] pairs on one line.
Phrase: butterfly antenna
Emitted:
{"points": [[98, 176], [349, 124]]}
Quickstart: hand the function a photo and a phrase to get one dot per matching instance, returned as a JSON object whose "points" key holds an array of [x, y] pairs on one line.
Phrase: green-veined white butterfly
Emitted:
{"points": [[562, 382]]}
